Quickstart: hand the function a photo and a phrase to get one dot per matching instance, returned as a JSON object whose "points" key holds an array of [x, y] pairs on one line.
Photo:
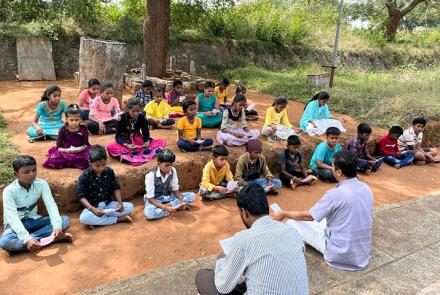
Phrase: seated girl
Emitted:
{"points": [[251, 114], [72, 149], [229, 133], [222, 94], [87, 96], [175, 99], [317, 118], [158, 111], [277, 125], [207, 107], [48, 115], [104, 113], [133, 142], [190, 130]]}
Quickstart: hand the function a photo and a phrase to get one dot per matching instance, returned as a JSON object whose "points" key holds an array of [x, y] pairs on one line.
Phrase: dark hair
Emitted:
{"points": [[240, 89], [106, 86], [419, 120], [293, 140], [280, 100], [73, 109], [97, 153], [134, 101], [23, 161], [239, 98], [177, 82], [93, 82], [318, 96], [166, 156], [209, 84], [159, 90], [220, 150], [187, 103], [147, 83], [253, 199], [396, 130], [332, 131], [48, 92], [346, 162], [364, 128], [224, 81]]}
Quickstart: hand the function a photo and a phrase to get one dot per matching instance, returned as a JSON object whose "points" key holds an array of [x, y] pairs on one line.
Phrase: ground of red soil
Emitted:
{"points": [[113, 253]]}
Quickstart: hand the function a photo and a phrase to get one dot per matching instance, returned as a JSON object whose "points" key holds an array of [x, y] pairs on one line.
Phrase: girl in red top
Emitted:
{"points": [[87, 96]]}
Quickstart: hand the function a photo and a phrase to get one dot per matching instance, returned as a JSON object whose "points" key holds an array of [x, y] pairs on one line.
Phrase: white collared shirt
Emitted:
{"points": [[409, 138], [149, 182]]}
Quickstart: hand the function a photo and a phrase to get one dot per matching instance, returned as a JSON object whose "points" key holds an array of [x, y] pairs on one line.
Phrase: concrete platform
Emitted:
{"points": [[406, 244]]}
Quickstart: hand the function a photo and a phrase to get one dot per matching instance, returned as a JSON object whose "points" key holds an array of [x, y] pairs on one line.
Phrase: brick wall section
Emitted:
{"points": [[8, 59]]}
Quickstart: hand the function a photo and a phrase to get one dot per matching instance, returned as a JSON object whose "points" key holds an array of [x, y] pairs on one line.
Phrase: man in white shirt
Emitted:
{"points": [[268, 254]]}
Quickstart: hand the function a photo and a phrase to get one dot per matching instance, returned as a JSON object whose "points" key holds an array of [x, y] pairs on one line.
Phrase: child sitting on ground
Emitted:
{"points": [[322, 159], [387, 148], [103, 115], [145, 94], [277, 124], [358, 145], [229, 133], [72, 149], [175, 99], [133, 142], [159, 202], [24, 228], [221, 93], [293, 171], [251, 115], [216, 174], [48, 115], [207, 107], [189, 130], [87, 96], [158, 111], [99, 192], [410, 142], [252, 169], [317, 118]]}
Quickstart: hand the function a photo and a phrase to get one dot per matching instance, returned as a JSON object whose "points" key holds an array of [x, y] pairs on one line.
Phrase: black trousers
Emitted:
{"points": [[206, 286]]}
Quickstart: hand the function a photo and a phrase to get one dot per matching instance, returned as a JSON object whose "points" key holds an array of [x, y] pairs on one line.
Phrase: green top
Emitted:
{"points": [[19, 203], [242, 169]]}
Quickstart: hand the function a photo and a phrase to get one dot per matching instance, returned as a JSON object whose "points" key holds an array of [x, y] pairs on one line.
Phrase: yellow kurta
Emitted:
{"points": [[157, 111], [272, 117], [213, 177]]}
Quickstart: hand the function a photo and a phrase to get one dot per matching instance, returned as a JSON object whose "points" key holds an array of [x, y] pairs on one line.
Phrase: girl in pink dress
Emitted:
{"points": [[104, 112]]}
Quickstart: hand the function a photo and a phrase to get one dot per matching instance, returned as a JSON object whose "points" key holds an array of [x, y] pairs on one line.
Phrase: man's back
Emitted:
{"points": [[270, 255]]}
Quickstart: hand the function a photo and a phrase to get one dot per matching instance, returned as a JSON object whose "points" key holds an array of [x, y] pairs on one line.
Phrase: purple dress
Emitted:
{"points": [[67, 139]]}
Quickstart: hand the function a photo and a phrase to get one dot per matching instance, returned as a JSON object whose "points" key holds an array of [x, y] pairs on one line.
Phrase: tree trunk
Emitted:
{"points": [[393, 24], [156, 31]]}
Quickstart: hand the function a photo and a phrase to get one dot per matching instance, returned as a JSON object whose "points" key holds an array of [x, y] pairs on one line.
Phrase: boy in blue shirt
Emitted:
{"points": [[24, 228], [321, 162]]}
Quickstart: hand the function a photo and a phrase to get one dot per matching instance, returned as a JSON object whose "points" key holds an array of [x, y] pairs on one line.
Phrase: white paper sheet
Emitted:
{"points": [[226, 244], [275, 207], [47, 240], [250, 107], [231, 186]]}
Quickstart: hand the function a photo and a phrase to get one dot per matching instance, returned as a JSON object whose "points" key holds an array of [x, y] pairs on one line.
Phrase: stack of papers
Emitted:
{"points": [[231, 186], [200, 141]]}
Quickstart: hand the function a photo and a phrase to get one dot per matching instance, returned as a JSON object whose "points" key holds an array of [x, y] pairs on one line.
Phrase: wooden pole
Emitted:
{"points": [[335, 48]]}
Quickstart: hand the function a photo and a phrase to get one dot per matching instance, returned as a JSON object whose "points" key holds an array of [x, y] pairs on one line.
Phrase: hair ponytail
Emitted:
{"points": [[279, 100], [48, 92], [318, 96]]}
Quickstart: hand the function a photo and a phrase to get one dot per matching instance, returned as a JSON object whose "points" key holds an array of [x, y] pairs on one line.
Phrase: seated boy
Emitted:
{"points": [[158, 112], [340, 224], [410, 142], [388, 149], [145, 94], [359, 146], [99, 192], [323, 155], [216, 174], [252, 169], [159, 201], [24, 228], [293, 172]]}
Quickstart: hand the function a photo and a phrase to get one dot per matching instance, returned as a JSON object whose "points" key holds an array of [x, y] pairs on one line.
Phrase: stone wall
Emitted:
{"points": [[8, 59]]}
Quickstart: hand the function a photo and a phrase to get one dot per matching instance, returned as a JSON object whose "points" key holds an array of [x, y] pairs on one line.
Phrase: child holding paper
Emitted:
{"points": [[217, 176], [158, 112], [250, 112], [208, 108], [175, 99], [103, 114], [159, 181], [293, 172], [252, 169], [99, 192], [277, 124]]}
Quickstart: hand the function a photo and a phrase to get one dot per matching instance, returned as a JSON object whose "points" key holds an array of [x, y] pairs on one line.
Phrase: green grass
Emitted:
{"points": [[381, 98], [8, 152]]}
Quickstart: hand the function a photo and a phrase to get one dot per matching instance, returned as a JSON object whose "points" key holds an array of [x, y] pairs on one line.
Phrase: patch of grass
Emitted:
{"points": [[8, 152], [380, 98]]}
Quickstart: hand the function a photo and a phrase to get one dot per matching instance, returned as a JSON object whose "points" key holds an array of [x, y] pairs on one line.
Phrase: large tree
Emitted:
{"points": [[396, 13], [156, 32]]}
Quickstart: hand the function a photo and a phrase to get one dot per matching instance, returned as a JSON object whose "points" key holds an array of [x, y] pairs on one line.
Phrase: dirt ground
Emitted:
{"points": [[113, 253]]}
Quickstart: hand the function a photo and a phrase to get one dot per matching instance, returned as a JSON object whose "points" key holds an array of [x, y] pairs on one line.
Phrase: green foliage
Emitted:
{"points": [[381, 98], [8, 152]]}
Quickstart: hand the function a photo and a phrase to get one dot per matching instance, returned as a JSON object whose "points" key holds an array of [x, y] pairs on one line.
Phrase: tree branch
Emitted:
{"points": [[409, 6]]}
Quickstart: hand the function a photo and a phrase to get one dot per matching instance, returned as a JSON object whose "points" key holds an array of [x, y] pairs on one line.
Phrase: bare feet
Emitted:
{"points": [[91, 227], [293, 184], [64, 238], [397, 166], [368, 172], [126, 219]]}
